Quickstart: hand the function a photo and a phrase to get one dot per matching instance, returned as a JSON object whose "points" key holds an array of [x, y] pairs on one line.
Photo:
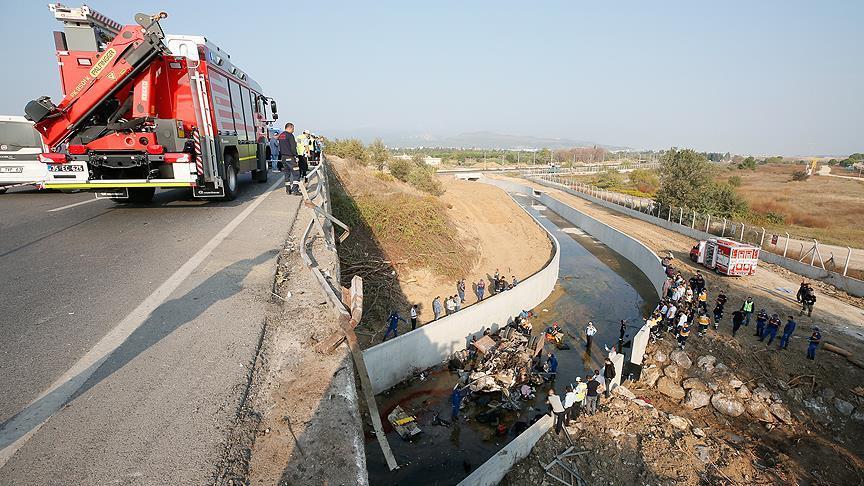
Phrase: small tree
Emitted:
{"points": [[684, 177], [378, 154], [734, 181], [400, 168]]}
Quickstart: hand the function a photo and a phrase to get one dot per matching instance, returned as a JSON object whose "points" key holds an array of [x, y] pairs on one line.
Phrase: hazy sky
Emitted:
{"points": [[750, 76]]}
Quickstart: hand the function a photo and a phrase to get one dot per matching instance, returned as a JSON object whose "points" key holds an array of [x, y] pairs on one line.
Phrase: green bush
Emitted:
{"points": [[645, 181], [400, 168], [423, 178], [351, 149], [735, 181], [609, 179]]}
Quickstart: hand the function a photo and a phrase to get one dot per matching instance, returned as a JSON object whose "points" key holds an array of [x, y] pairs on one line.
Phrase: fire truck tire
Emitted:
{"points": [[231, 188]]}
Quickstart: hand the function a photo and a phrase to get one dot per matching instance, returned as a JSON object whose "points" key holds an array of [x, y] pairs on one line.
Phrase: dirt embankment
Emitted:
{"points": [[411, 247], [817, 443]]}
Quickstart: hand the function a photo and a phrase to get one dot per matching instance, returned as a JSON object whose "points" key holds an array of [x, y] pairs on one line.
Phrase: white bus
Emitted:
{"points": [[20, 146]]}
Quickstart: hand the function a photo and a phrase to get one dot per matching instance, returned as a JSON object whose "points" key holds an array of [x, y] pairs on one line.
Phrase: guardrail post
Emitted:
{"points": [[669, 216], [762, 240], [848, 257], [680, 215], [742, 233], [707, 223], [786, 245], [723, 231], [693, 221]]}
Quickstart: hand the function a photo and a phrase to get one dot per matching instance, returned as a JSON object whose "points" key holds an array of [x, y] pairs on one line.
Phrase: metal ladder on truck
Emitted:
{"points": [[76, 20]]}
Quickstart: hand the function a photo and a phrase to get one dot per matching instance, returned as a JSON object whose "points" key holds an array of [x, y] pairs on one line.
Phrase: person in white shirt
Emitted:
{"points": [[554, 401], [414, 317], [581, 392], [590, 331], [569, 400]]}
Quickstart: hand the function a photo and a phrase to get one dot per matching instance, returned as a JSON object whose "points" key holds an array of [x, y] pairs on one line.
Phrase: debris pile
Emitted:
{"points": [[501, 369]]}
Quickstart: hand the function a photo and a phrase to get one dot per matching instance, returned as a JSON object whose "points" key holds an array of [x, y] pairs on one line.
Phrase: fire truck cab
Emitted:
{"points": [[144, 110]]}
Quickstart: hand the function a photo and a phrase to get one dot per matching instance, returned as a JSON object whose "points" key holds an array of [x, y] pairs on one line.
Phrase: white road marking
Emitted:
{"points": [[51, 400], [61, 208]]}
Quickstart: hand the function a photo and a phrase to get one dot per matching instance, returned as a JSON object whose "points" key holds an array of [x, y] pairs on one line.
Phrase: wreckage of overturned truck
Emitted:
{"points": [[500, 371]]}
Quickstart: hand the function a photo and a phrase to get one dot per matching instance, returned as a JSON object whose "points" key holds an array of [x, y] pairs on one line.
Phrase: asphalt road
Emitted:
{"points": [[127, 331]]}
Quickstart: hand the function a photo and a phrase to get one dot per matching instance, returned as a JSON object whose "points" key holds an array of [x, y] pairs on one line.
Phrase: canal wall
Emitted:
{"points": [[493, 470], [393, 361]]}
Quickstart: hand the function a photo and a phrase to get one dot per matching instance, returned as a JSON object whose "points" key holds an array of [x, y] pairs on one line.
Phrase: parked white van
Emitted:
{"points": [[20, 146]]}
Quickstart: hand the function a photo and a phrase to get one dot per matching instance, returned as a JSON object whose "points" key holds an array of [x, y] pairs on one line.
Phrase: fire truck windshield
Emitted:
{"points": [[17, 135]]}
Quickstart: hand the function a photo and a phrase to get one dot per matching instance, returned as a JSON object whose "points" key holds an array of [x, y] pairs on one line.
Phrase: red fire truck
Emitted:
{"points": [[144, 110]]}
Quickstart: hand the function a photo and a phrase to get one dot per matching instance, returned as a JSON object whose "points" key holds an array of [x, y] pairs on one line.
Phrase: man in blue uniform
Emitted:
{"points": [[815, 339]]}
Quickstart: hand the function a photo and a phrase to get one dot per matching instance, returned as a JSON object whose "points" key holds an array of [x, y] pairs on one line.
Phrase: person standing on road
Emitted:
{"points": [[771, 329], [807, 301], [788, 329], [303, 153], [590, 331], [273, 143], [747, 309], [288, 153], [608, 375], [815, 339], [437, 308], [592, 394], [414, 317], [554, 402], [393, 324]]}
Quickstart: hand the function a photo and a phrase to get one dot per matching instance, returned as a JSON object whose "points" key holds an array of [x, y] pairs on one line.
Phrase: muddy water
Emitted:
{"points": [[594, 284]]}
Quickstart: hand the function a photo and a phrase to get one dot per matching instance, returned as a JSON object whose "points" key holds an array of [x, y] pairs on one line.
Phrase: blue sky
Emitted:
{"points": [[763, 77]]}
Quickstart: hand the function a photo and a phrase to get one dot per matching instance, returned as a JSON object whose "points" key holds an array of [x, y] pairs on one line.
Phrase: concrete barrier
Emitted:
{"points": [[493, 470], [850, 285], [397, 359]]}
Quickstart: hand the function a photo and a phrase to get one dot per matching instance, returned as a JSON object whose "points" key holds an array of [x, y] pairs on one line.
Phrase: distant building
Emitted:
{"points": [[433, 161], [403, 157]]}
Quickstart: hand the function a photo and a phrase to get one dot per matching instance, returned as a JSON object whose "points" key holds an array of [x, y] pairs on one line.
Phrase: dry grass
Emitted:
{"points": [[826, 208]]}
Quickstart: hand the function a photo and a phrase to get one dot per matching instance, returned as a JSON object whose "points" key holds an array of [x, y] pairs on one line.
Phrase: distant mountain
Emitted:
{"points": [[478, 140]]}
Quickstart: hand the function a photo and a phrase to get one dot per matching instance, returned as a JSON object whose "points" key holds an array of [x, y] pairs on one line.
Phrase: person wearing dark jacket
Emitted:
{"points": [[807, 301], [288, 153], [609, 374]]}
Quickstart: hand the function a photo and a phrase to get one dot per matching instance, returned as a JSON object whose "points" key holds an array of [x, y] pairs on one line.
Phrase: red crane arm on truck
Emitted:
{"points": [[125, 59]]}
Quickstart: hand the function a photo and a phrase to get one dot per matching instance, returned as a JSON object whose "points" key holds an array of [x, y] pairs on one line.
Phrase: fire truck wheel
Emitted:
{"points": [[230, 178]]}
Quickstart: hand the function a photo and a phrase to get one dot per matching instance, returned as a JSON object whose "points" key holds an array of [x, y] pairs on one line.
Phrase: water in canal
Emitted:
{"points": [[594, 284]]}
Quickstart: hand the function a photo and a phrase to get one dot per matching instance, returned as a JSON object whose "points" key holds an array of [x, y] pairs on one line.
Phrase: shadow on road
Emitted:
{"points": [[163, 321]]}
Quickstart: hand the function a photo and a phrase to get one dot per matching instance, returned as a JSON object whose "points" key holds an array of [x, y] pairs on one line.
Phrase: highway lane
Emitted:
{"points": [[70, 277]]}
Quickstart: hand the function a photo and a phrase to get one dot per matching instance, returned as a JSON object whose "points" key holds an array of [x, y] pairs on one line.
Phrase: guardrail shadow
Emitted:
{"points": [[161, 323]]}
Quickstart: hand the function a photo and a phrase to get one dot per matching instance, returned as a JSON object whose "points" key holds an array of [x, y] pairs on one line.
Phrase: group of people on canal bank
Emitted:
{"points": [[453, 303], [684, 305]]}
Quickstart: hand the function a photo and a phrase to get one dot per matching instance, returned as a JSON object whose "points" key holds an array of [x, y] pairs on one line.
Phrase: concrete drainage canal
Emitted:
{"points": [[594, 283]]}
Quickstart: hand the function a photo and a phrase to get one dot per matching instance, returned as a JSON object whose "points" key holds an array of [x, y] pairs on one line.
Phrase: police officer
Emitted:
{"points": [[288, 153], [761, 320], [788, 329], [815, 339], [771, 329]]}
